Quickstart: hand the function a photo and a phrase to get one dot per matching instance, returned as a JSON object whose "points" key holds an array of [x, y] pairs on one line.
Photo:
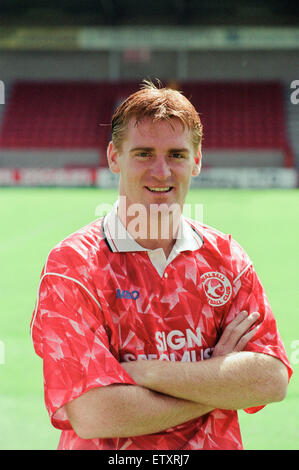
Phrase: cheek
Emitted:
{"points": [[131, 178], [184, 176]]}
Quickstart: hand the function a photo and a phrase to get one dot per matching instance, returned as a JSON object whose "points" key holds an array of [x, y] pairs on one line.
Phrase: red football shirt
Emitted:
{"points": [[104, 299]]}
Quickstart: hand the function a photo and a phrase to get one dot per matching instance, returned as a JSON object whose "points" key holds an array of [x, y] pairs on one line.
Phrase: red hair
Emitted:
{"points": [[158, 103]]}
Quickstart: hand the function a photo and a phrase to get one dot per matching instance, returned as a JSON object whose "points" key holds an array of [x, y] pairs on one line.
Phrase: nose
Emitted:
{"points": [[160, 168]]}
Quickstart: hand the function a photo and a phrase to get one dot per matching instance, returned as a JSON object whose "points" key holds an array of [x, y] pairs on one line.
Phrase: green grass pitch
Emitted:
{"points": [[34, 220]]}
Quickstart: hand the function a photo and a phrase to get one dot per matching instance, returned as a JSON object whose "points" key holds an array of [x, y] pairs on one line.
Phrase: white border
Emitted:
{"points": [[65, 277], [242, 272]]}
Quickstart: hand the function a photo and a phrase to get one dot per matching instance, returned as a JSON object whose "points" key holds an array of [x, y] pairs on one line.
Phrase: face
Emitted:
{"points": [[156, 162]]}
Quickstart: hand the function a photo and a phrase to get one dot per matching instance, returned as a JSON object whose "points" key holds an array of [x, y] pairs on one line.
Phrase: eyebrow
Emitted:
{"points": [[150, 149], [147, 149], [182, 150]]}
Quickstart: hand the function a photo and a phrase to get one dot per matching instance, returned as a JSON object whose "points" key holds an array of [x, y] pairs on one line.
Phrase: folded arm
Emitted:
{"points": [[231, 379], [171, 393], [128, 410], [235, 381]]}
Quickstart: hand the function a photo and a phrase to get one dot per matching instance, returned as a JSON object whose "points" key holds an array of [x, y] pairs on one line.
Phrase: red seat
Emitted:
{"points": [[68, 115]]}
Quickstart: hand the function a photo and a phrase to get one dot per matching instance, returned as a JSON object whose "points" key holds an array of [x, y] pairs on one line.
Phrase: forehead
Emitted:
{"points": [[171, 133]]}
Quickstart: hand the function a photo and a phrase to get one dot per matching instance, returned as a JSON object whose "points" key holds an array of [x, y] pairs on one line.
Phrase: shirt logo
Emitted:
{"points": [[125, 294], [217, 288]]}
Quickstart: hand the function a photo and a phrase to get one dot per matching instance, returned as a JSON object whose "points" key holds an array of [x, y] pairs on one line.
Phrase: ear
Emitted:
{"points": [[197, 163], [112, 157]]}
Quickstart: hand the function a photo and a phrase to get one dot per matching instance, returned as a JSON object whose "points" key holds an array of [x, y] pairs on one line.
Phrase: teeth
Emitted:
{"points": [[159, 189]]}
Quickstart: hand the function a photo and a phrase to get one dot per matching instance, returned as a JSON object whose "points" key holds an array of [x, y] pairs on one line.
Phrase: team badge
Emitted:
{"points": [[217, 288]]}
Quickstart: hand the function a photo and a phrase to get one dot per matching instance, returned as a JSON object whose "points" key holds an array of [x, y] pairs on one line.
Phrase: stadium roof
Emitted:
{"points": [[155, 12]]}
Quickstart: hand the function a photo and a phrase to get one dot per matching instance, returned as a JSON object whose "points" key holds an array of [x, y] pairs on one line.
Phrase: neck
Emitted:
{"points": [[166, 245], [152, 231]]}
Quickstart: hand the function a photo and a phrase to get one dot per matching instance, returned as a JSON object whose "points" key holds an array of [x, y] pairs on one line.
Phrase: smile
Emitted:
{"points": [[160, 190]]}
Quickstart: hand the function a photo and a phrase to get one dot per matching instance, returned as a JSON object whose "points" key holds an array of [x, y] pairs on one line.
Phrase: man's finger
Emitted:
{"points": [[241, 329], [246, 338], [238, 327], [232, 325]]}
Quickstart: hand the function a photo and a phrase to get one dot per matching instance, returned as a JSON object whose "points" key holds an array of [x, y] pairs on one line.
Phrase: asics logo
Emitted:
{"points": [[125, 294]]}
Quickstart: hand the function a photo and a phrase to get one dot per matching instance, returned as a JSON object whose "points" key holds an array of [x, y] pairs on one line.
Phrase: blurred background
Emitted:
{"points": [[64, 67]]}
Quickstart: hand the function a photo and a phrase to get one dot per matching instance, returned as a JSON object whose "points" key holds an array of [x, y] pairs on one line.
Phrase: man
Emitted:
{"points": [[153, 328]]}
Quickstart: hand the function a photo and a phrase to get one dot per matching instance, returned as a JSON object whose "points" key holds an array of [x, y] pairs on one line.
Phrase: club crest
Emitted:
{"points": [[217, 288]]}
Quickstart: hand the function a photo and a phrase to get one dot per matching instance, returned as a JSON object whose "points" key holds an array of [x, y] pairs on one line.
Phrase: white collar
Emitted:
{"points": [[120, 240]]}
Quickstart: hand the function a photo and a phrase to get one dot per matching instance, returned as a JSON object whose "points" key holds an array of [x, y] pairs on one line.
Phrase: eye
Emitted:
{"points": [[177, 155], [143, 154]]}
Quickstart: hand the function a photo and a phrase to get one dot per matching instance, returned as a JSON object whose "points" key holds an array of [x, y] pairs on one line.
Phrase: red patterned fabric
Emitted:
{"points": [[99, 305]]}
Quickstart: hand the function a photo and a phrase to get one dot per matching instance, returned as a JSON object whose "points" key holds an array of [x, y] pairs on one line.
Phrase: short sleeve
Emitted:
{"points": [[70, 334], [249, 295]]}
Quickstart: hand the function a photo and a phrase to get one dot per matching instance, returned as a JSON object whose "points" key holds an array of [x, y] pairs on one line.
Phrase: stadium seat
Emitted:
{"points": [[76, 115], [240, 115]]}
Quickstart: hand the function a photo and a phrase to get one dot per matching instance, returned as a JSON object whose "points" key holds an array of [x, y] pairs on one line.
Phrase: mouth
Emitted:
{"points": [[155, 189]]}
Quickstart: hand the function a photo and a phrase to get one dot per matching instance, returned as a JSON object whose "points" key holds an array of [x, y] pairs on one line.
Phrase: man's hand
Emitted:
{"points": [[236, 335], [232, 379], [234, 339]]}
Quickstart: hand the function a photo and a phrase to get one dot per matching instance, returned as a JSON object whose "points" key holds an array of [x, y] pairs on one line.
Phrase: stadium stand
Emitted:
{"points": [[47, 115], [63, 124], [7, 90], [239, 116], [292, 124]]}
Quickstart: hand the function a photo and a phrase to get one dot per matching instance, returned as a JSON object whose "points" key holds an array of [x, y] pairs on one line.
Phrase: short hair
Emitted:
{"points": [[158, 103]]}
